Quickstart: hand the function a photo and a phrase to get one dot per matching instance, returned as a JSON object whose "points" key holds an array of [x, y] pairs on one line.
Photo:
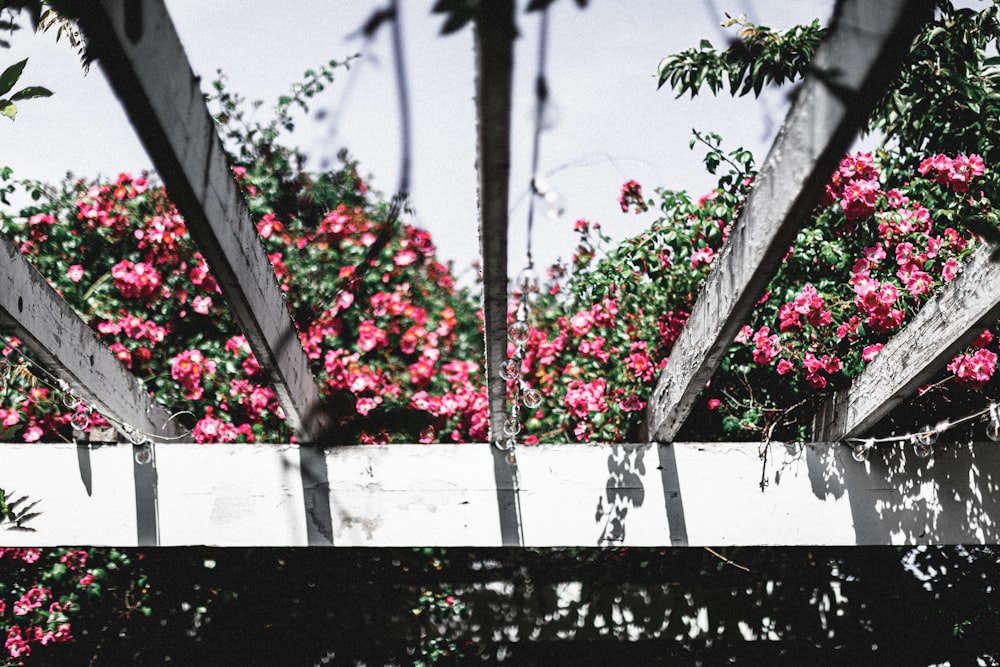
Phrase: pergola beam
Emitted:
{"points": [[851, 70], [494, 80], [142, 56], [944, 327], [66, 347]]}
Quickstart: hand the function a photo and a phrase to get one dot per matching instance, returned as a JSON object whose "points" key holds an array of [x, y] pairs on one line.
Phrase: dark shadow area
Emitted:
{"points": [[211, 606]]}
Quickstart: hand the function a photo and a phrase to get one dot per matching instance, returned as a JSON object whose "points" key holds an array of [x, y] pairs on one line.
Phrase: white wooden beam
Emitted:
{"points": [[142, 56], [944, 327], [67, 348], [851, 69], [579, 495]]}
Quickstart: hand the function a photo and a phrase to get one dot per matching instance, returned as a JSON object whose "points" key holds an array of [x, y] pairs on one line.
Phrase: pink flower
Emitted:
{"points": [[75, 273], [871, 351], [201, 304], [136, 280], [713, 403], [858, 199], [366, 404], [16, 645], [370, 337], [582, 398], [86, 580], [405, 258], [704, 255], [766, 347], [974, 370], [784, 366], [631, 403], [581, 323], [983, 339], [33, 433], [632, 196]]}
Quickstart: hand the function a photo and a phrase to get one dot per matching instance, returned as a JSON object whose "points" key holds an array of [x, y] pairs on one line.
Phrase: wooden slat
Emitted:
{"points": [[944, 327], [142, 56], [68, 349], [494, 64], [851, 69]]}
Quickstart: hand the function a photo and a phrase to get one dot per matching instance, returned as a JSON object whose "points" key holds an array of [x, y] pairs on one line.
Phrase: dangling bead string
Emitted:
{"points": [[923, 441], [526, 286], [82, 411]]}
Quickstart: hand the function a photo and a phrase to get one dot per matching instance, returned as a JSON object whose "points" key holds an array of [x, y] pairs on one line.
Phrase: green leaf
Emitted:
{"points": [[8, 109], [31, 92], [10, 76]]}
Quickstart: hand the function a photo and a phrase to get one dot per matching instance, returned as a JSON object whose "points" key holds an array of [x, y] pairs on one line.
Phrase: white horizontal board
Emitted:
{"points": [[564, 495]]}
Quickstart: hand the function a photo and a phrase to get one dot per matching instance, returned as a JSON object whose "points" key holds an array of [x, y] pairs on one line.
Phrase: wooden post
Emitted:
{"points": [[494, 76], [852, 69], [142, 56]]}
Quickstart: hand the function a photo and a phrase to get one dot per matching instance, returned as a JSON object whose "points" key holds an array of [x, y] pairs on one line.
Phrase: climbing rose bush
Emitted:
{"points": [[42, 592]]}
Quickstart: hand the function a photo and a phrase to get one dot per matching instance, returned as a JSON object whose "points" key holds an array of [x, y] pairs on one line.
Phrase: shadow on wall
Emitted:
{"points": [[897, 497], [624, 491]]}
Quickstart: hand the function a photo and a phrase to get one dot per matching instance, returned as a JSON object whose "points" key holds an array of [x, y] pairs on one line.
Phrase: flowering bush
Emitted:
{"points": [[392, 341], [42, 591]]}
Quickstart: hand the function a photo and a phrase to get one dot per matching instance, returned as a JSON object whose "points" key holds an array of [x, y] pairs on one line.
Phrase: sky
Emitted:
{"points": [[606, 124]]}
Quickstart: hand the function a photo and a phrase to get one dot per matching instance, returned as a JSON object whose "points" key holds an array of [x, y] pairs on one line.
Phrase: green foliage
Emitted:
{"points": [[14, 513], [759, 56], [8, 78]]}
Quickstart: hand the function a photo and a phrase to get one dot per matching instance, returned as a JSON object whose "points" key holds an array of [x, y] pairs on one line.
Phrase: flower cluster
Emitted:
{"points": [[45, 589], [631, 196]]}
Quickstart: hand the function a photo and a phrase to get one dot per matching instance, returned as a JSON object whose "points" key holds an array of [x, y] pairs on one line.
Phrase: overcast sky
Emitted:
{"points": [[608, 122]]}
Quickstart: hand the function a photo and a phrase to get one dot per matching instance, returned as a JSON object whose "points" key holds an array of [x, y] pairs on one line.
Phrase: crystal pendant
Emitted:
{"points": [[512, 426], [922, 451], [518, 332], [861, 451], [510, 369], [532, 397], [143, 454], [527, 281]]}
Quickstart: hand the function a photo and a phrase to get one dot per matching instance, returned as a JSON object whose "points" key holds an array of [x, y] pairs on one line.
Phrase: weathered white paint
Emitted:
{"points": [[408, 495], [850, 71], [944, 327], [236, 495], [77, 506], [139, 50], [567, 495]]}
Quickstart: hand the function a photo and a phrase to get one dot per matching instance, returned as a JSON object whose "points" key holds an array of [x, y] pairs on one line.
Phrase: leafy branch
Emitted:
{"points": [[758, 57], [14, 514], [8, 78]]}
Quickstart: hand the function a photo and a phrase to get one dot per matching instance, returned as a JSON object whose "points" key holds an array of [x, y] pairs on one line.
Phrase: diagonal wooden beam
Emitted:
{"points": [[68, 349], [851, 70], [142, 56], [944, 327]]}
